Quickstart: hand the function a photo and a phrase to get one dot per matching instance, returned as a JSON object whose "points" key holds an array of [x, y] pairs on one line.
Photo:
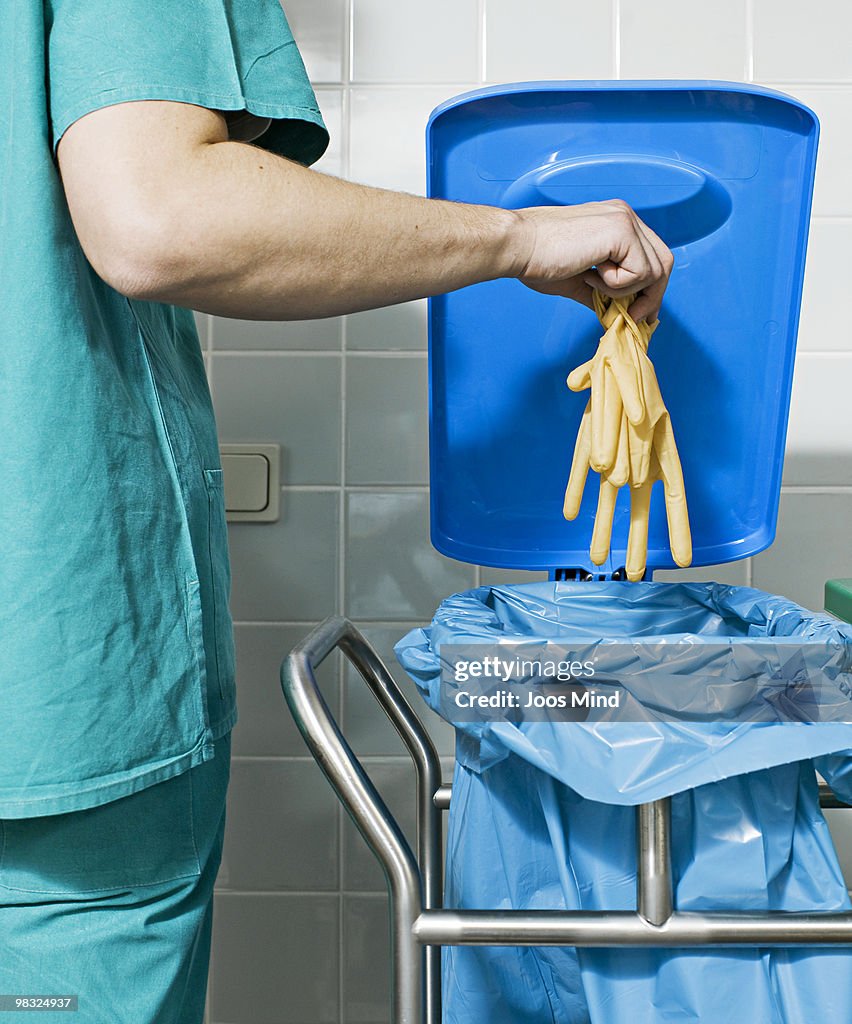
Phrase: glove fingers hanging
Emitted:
{"points": [[640, 440], [677, 515], [579, 466], [626, 370], [580, 378], [637, 541], [606, 431], [619, 474], [602, 533]]}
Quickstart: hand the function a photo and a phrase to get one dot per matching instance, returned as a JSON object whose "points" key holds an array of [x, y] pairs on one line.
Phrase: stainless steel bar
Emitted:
{"points": [[428, 771], [442, 797], [654, 899], [413, 1001], [626, 928]]}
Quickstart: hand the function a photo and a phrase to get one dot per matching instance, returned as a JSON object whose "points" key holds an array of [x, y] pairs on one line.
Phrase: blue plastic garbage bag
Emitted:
{"points": [[542, 818]]}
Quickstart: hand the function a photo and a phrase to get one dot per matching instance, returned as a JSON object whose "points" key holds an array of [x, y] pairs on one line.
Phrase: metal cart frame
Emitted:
{"points": [[419, 923]]}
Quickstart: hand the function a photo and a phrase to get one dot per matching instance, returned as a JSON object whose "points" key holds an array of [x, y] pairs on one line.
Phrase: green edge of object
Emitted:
{"points": [[838, 598]]}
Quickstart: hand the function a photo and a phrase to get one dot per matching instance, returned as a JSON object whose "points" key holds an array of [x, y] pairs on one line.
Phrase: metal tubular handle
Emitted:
{"points": [[411, 886], [625, 928], [654, 896]]}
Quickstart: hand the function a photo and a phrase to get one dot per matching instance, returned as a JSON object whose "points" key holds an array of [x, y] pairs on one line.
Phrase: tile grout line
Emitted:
{"points": [[390, 85], [309, 624], [816, 489], [616, 39], [482, 39], [749, 40]]}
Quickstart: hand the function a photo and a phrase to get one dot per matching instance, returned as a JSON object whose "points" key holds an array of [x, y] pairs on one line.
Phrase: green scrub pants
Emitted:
{"points": [[114, 904]]}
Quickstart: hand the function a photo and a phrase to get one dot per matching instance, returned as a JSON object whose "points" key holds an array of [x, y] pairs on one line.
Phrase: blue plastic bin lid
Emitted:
{"points": [[724, 173]]}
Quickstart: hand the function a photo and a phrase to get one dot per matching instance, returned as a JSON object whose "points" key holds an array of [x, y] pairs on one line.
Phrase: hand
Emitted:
{"points": [[571, 250]]}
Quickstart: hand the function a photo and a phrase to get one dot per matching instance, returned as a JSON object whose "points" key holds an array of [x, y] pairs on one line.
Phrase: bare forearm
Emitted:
{"points": [[277, 241]]}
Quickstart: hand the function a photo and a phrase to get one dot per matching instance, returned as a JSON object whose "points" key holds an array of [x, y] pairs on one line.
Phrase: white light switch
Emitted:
{"points": [[251, 479]]}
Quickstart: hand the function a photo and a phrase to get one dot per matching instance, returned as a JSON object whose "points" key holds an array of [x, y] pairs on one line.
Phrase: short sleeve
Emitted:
{"points": [[221, 54]]}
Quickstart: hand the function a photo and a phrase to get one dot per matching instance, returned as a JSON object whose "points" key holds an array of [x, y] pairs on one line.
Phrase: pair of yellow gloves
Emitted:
{"points": [[626, 436]]}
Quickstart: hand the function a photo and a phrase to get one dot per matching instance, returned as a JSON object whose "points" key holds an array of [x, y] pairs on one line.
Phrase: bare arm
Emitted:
{"points": [[168, 208]]}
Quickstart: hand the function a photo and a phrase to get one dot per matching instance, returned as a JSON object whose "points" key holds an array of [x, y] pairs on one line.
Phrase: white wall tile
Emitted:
{"points": [[552, 39], [833, 107], [821, 329], [819, 438], [388, 135], [811, 546], [319, 28], [331, 106], [791, 45], [732, 574], [673, 39], [401, 327], [412, 41], [293, 401]]}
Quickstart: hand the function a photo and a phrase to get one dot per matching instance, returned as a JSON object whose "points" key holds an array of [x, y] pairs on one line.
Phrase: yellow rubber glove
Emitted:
{"points": [[626, 435], [612, 374]]}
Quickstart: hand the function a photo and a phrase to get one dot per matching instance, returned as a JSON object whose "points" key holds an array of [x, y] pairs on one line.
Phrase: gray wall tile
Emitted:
{"points": [[275, 959], [734, 574], [366, 960], [291, 400], [840, 824], [365, 724], [811, 545], [393, 572], [265, 725], [398, 327], [256, 335], [264, 848], [287, 571], [493, 576], [387, 426]]}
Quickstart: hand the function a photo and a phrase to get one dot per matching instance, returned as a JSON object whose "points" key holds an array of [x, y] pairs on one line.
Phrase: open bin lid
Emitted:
{"points": [[724, 174]]}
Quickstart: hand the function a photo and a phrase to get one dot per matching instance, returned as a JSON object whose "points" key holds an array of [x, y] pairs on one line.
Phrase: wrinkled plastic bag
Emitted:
{"points": [[542, 817]]}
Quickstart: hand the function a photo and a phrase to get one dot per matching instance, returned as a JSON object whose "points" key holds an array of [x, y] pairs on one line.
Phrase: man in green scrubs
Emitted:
{"points": [[154, 160]]}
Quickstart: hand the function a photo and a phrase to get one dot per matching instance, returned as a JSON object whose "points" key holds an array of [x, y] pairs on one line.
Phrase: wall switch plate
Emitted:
{"points": [[251, 474]]}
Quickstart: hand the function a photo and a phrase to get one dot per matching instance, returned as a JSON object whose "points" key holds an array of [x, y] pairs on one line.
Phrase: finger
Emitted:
{"points": [[580, 291], [680, 536], [579, 468], [637, 540], [598, 401], [640, 439], [602, 532], [617, 284], [647, 305], [613, 414], [620, 472], [652, 397], [580, 378], [640, 258], [626, 371], [600, 303]]}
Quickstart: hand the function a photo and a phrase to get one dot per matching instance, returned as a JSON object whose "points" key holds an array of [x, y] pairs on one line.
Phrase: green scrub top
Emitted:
{"points": [[116, 649]]}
